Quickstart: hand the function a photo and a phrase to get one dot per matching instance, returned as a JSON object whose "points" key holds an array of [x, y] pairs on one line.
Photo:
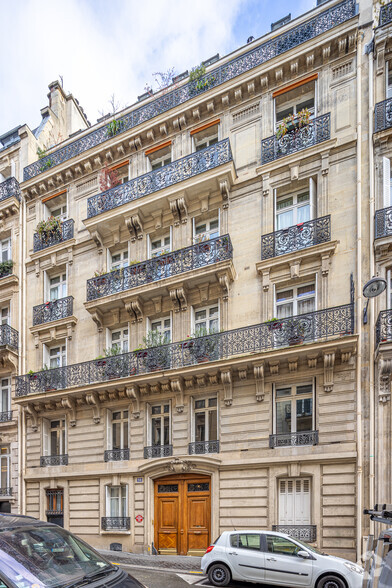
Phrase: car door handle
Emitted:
{"points": [[233, 553], [271, 558]]}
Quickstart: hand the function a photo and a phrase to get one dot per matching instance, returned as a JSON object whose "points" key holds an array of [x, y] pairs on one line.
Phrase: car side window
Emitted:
{"points": [[249, 541], [234, 540], [281, 545]]}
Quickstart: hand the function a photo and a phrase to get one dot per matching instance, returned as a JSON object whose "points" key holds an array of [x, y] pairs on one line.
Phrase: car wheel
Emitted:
{"points": [[219, 575], [331, 581]]}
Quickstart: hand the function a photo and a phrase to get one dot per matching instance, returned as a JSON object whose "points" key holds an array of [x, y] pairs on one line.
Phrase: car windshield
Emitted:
{"points": [[310, 547], [47, 556]]}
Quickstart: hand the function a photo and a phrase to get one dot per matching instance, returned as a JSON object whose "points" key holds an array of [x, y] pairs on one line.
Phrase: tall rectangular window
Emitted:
{"points": [[5, 395], [58, 287], [6, 250], [206, 137], [5, 466], [290, 103], [205, 418], [160, 245], [57, 437], [163, 327], [205, 230], [116, 501], [5, 315], [57, 356], [389, 79], [294, 409], [119, 429], [160, 158], [119, 340], [119, 259], [160, 424], [295, 300], [207, 320]]}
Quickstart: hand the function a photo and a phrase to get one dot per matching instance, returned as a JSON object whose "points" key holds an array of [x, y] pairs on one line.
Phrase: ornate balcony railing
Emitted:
{"points": [[383, 115], [10, 187], [384, 327], [306, 533], [293, 439], [66, 233], [304, 328], [296, 237], [158, 268], [317, 131], [116, 523], [158, 451], [306, 31], [116, 455], [6, 268], [6, 416], [53, 460], [202, 447], [6, 491], [52, 310], [9, 336], [168, 175], [383, 223], [385, 15]]}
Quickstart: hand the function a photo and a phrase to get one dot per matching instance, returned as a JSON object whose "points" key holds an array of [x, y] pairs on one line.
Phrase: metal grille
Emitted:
{"points": [[53, 460], [158, 451], [54, 502], [294, 439], [296, 237], [383, 222], [116, 455], [5, 416], [168, 175], [384, 327], [66, 233], [318, 130], [6, 491], [167, 487], [385, 14], [201, 447], [201, 487], [9, 336], [312, 326], [8, 188], [306, 533], [383, 115], [319, 24], [53, 310], [158, 268], [116, 523]]}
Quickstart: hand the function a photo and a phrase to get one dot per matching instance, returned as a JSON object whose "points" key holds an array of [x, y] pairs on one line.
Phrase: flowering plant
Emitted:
{"points": [[50, 228]]}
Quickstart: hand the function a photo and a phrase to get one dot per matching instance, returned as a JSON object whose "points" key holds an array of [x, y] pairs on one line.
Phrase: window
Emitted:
{"points": [[6, 250], [56, 356], [246, 541], [207, 320], [387, 183], [57, 207], [58, 287], [206, 422], [119, 260], [205, 230], [293, 101], [60, 213], [281, 545], [118, 437], [162, 326], [389, 289], [5, 466], [296, 208], [57, 437], [205, 138], [117, 501], [160, 245], [160, 158], [389, 79], [294, 409], [294, 501], [5, 395], [119, 340], [5, 315], [295, 300], [160, 425]]}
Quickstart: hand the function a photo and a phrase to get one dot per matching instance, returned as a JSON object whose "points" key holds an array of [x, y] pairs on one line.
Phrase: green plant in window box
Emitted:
{"points": [[293, 123], [273, 324], [114, 127], [6, 268], [155, 353], [203, 345], [49, 229]]}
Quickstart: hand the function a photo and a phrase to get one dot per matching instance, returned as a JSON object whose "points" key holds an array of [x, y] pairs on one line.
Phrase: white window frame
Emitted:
{"points": [[61, 286], [5, 317], [163, 248], [48, 210], [294, 396], [122, 262], [311, 190], [207, 308], [5, 391], [388, 88], [295, 501], [313, 111], [5, 458], [124, 338], [295, 298], [123, 434], [46, 435], [62, 355], [162, 416], [6, 249], [160, 161], [386, 183], [205, 409], [161, 320], [209, 137], [108, 500], [389, 289], [206, 235]]}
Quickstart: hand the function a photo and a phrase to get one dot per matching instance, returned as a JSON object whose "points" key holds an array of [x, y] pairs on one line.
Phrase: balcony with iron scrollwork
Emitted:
{"points": [[6, 416], [306, 533], [53, 310], [293, 439], [115, 523], [385, 15], [9, 337], [54, 238], [53, 460], [319, 325], [116, 455], [188, 167], [296, 237], [203, 447], [317, 131], [155, 451], [6, 491], [383, 115], [384, 327], [9, 188], [383, 223], [309, 29]]}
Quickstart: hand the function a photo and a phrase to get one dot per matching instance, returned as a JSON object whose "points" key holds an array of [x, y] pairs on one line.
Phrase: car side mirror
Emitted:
{"points": [[304, 554]]}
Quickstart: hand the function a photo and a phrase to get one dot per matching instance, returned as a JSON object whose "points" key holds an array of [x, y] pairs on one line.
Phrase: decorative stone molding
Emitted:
{"points": [[227, 382], [385, 373], [293, 364], [258, 371], [225, 193], [180, 466], [251, 87], [69, 404], [179, 299], [98, 319], [238, 94], [92, 399], [135, 227], [242, 373], [135, 309], [266, 185], [32, 414], [210, 106], [264, 82], [179, 210], [225, 100], [312, 361], [96, 237], [329, 363], [224, 283], [274, 367], [133, 393], [177, 387]]}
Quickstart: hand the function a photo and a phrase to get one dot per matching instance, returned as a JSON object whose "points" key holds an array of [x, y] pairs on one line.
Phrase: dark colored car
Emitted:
{"points": [[35, 554]]}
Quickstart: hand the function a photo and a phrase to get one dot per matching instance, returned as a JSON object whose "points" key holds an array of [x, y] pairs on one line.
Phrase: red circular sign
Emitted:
{"points": [[139, 518]]}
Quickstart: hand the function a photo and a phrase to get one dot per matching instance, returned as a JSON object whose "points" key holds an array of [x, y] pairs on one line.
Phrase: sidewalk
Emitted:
{"points": [[167, 562]]}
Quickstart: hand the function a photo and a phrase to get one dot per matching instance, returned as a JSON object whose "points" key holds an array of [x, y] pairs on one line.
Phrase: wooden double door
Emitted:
{"points": [[182, 514]]}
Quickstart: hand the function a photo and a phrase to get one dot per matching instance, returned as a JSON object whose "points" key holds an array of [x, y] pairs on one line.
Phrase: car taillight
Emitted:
{"points": [[210, 548]]}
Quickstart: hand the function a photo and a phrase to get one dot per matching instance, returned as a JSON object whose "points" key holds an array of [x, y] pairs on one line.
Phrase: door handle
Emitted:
{"points": [[197, 532], [271, 558], [233, 553]]}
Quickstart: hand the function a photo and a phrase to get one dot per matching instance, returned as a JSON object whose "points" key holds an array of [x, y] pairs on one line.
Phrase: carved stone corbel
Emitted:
{"points": [[96, 237], [133, 393], [92, 399], [329, 362], [69, 404], [174, 299], [175, 212], [385, 372], [135, 310], [98, 320], [227, 382], [258, 371], [135, 227], [182, 208], [224, 283], [32, 414], [177, 387], [225, 193]]}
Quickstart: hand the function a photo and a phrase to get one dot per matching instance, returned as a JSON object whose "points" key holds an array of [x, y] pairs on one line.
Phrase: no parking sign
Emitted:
{"points": [[139, 518]]}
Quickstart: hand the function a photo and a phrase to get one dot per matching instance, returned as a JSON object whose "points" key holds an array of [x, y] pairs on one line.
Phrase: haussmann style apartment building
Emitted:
{"points": [[183, 347]]}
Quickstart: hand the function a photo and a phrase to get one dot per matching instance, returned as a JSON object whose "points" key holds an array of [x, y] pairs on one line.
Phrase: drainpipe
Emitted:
{"points": [[20, 351]]}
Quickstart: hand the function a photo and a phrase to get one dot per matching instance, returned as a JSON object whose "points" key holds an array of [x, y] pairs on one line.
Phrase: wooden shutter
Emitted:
{"points": [[45, 436], [302, 502], [313, 198], [386, 173]]}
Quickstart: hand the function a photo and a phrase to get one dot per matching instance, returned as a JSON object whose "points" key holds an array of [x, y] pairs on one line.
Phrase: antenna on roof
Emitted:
{"points": [[61, 80]]}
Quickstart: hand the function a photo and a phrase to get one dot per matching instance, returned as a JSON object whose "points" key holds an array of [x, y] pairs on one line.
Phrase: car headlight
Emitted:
{"points": [[353, 567]]}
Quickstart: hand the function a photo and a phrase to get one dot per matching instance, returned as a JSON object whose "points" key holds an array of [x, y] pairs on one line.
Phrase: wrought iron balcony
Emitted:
{"points": [[296, 237], [115, 523], [9, 336], [168, 175], [6, 268], [385, 15], [293, 439], [384, 327], [53, 460], [303, 328], [317, 131], [158, 451], [53, 310], [383, 222], [306, 533], [306, 31], [158, 268], [6, 416], [6, 491], [10, 187], [202, 447], [116, 455], [66, 233], [383, 115]]}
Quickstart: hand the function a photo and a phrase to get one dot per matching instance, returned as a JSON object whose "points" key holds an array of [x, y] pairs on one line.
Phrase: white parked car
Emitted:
{"points": [[267, 557]]}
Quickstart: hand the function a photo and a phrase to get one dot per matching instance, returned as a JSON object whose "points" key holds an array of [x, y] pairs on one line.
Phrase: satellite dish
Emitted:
{"points": [[374, 287]]}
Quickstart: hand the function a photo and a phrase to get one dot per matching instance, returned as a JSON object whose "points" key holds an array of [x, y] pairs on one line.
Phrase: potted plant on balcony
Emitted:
{"points": [[200, 82], [204, 345], [154, 355], [114, 127], [49, 229], [293, 123], [6, 268], [295, 332], [273, 324], [114, 364]]}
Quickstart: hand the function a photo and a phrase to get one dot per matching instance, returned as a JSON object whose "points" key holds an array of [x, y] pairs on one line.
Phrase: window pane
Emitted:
{"points": [[306, 290], [213, 429], [116, 431], [200, 426], [156, 431], [200, 403], [284, 295], [305, 389], [281, 545], [304, 414], [306, 306], [125, 435], [283, 416], [156, 409], [303, 214], [284, 310], [285, 219], [280, 392], [249, 541], [166, 431]]}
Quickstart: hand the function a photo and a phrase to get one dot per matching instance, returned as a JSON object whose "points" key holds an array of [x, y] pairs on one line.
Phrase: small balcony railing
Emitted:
{"points": [[66, 233], [383, 223], [9, 336], [158, 451], [53, 310], [116, 455], [6, 491], [6, 268], [8, 188], [115, 523], [53, 460], [307, 533], [383, 115], [384, 327], [385, 15], [6, 416], [295, 330], [158, 268], [293, 439], [202, 447], [296, 237], [164, 177], [317, 131]]}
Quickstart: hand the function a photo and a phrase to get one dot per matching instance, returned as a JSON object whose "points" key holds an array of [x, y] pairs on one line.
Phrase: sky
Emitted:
{"points": [[103, 48]]}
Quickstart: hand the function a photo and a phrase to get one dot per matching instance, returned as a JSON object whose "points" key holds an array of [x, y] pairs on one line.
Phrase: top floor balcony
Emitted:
{"points": [[320, 23], [385, 14], [383, 115], [55, 237], [8, 188]]}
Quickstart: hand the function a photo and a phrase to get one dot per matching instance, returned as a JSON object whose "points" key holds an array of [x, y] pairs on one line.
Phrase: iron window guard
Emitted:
{"points": [[154, 451], [296, 237], [116, 523], [53, 310], [67, 232], [6, 491], [385, 15], [6, 416], [383, 115], [306, 533], [116, 455], [53, 460], [384, 327], [294, 439], [383, 222], [10, 187], [203, 447]]}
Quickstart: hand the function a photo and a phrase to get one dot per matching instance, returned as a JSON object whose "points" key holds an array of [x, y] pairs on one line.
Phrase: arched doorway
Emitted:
{"points": [[182, 505]]}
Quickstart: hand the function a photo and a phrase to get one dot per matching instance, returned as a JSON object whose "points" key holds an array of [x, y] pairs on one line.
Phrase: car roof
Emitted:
{"points": [[262, 531], [12, 521]]}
